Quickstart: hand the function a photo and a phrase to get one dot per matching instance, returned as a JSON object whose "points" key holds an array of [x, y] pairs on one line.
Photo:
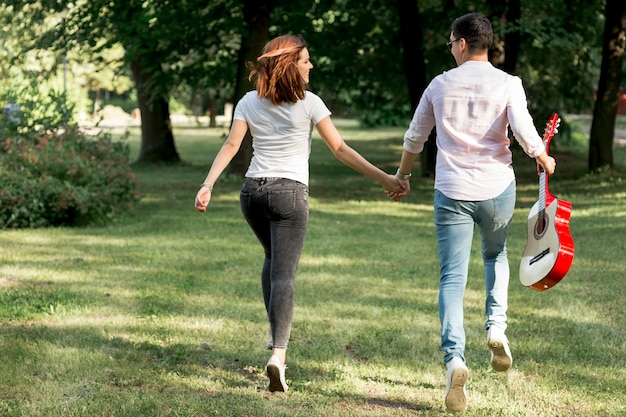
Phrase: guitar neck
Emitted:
{"points": [[543, 191]]}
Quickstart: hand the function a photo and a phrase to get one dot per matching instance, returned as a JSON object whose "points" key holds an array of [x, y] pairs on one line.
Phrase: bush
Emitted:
{"points": [[63, 178], [388, 114]]}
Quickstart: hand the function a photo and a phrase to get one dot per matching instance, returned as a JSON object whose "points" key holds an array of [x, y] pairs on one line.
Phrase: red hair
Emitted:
{"points": [[276, 70]]}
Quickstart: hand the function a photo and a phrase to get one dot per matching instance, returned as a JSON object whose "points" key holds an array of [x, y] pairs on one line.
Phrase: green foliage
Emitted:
{"points": [[387, 114], [40, 80], [560, 55], [357, 58], [41, 108], [63, 178], [201, 56], [354, 45], [127, 102]]}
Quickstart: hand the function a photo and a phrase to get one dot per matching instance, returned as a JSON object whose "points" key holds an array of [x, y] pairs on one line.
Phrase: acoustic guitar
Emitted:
{"points": [[549, 248]]}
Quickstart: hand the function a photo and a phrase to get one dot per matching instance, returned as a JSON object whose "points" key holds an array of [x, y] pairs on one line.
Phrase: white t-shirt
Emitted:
{"points": [[472, 105], [281, 134]]}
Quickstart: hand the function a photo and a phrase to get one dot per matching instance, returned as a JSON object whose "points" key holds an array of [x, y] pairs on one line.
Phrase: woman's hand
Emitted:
{"points": [[202, 199]]}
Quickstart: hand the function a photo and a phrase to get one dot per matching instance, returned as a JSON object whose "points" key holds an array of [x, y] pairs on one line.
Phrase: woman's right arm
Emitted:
{"points": [[222, 159], [353, 159]]}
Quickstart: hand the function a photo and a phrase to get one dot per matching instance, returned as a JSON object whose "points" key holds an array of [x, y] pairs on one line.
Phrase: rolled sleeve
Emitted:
{"points": [[420, 127]]}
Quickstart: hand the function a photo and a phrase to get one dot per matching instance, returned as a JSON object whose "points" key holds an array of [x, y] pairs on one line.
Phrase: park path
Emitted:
{"points": [[620, 137]]}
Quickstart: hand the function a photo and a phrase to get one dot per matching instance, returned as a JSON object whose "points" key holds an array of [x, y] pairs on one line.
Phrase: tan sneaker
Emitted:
{"points": [[456, 378], [498, 343]]}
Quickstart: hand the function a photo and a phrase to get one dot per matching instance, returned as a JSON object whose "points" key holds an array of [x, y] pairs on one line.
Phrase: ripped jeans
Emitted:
{"points": [[277, 210], [454, 220]]}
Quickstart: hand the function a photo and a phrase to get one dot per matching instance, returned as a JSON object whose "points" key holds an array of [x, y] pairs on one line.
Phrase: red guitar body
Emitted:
{"points": [[549, 251]]}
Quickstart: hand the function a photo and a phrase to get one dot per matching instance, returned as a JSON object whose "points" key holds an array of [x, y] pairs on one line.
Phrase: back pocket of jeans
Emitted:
{"points": [[282, 202]]}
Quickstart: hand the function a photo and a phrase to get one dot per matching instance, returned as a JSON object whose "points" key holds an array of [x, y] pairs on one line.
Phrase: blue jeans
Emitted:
{"points": [[277, 210], [454, 220]]}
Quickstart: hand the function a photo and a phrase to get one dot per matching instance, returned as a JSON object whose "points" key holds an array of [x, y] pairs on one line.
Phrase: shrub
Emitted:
{"points": [[63, 178]]}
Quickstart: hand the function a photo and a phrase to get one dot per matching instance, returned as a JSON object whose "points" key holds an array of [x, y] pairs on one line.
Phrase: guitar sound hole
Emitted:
{"points": [[541, 226]]}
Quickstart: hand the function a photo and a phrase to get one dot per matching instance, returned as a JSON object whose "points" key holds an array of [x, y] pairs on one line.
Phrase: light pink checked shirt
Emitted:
{"points": [[472, 105]]}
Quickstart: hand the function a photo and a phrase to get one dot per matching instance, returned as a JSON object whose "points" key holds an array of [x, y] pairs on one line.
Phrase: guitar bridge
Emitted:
{"points": [[538, 257]]}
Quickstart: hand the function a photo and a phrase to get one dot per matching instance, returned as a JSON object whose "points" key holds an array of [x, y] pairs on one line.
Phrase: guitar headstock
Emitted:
{"points": [[552, 128]]}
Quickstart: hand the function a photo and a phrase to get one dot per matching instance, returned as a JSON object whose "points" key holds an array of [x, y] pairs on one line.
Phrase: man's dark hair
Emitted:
{"points": [[476, 29]]}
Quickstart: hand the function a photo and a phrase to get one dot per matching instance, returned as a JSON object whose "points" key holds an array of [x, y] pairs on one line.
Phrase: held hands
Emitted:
{"points": [[396, 188], [202, 199]]}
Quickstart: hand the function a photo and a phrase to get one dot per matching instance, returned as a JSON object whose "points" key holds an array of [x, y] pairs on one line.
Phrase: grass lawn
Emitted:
{"points": [[160, 313]]}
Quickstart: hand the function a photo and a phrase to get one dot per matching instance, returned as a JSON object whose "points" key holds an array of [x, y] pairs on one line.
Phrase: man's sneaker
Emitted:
{"points": [[456, 378], [276, 373], [501, 358]]}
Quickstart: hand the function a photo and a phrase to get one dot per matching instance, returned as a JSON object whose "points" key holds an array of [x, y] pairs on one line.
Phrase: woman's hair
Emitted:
{"points": [[276, 70], [476, 29]]}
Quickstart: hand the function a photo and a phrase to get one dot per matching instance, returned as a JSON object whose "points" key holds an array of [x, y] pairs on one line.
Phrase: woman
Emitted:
{"points": [[280, 114]]}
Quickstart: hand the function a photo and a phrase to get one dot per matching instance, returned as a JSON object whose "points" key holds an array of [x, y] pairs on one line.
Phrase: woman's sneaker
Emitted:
{"points": [[276, 373], [498, 343], [456, 378]]}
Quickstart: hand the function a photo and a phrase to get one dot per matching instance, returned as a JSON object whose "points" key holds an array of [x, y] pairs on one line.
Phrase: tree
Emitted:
{"points": [[158, 53], [256, 15], [605, 110], [415, 70], [559, 56], [355, 49], [506, 48], [131, 23], [161, 55]]}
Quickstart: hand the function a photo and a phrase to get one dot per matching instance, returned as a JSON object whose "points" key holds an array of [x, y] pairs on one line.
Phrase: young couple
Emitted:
{"points": [[471, 107]]}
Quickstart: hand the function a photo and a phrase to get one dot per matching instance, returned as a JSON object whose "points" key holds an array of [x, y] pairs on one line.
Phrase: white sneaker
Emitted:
{"points": [[276, 373], [498, 343], [456, 378]]}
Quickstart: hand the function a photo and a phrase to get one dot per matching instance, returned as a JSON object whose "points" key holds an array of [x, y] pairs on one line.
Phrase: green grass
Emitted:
{"points": [[160, 313]]}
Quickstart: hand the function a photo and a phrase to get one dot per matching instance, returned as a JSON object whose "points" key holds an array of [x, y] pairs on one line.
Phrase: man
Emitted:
{"points": [[472, 106]]}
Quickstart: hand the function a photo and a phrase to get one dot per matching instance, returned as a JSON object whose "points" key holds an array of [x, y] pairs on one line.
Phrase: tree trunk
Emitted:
{"points": [[605, 109], [256, 14], [412, 54], [415, 70], [212, 111], [505, 51], [157, 139], [97, 103]]}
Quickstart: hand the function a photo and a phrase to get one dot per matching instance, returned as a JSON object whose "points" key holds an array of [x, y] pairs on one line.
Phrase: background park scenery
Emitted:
{"points": [[117, 298]]}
